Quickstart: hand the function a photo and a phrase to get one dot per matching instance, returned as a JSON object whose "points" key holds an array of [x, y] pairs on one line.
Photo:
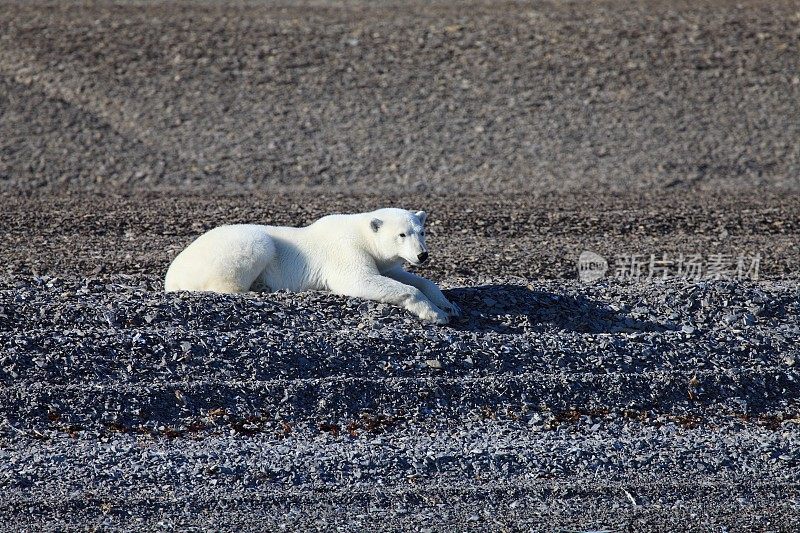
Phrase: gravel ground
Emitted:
{"points": [[552, 403], [420, 95], [516, 235], [530, 133]]}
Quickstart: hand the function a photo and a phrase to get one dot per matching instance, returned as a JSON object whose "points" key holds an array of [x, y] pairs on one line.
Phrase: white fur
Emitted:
{"points": [[359, 255]]}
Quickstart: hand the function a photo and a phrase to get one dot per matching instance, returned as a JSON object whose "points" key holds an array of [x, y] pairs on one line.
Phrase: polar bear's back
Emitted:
{"points": [[224, 259]]}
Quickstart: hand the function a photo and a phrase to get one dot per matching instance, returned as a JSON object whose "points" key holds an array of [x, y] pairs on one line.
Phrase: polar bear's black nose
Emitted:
{"points": [[423, 257]]}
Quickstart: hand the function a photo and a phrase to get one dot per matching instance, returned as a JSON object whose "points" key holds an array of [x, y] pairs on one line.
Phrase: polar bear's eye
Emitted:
{"points": [[402, 234]]}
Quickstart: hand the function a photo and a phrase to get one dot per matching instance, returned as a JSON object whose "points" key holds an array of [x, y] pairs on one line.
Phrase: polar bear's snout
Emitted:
{"points": [[423, 257]]}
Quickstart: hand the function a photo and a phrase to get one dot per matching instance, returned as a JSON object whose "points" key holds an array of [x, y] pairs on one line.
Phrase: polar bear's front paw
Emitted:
{"points": [[452, 309], [433, 315], [449, 307]]}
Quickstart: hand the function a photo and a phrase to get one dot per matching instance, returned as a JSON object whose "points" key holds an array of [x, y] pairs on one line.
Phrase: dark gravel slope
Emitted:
{"points": [[632, 406], [554, 95], [528, 236], [546, 404]]}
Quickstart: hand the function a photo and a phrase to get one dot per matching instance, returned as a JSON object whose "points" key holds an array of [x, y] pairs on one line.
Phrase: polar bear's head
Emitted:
{"points": [[399, 235]]}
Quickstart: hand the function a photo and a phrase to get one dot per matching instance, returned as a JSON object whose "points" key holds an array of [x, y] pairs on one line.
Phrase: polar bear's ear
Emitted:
{"points": [[375, 224], [421, 215]]}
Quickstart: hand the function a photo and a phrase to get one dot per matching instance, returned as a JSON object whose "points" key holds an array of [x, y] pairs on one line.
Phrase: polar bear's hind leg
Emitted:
{"points": [[227, 259]]}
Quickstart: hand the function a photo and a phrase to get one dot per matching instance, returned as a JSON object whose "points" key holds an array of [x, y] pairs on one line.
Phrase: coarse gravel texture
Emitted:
{"points": [[514, 235], [551, 403], [395, 96], [531, 132], [613, 405]]}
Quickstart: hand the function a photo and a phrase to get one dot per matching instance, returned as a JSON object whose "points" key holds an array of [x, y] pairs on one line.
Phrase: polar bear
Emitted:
{"points": [[359, 255]]}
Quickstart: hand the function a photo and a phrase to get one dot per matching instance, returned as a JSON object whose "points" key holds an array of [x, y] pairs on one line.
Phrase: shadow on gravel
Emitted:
{"points": [[510, 308]]}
